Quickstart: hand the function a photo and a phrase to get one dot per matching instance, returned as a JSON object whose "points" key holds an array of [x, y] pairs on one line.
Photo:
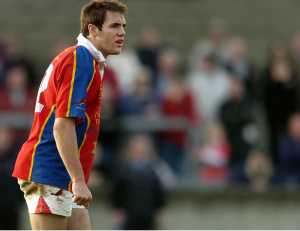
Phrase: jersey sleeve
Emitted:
{"points": [[72, 90]]}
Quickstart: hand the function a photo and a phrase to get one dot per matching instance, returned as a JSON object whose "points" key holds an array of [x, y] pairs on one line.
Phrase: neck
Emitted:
{"points": [[93, 41], [90, 44]]}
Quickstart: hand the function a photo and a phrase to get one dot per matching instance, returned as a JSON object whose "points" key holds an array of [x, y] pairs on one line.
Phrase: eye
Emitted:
{"points": [[115, 25]]}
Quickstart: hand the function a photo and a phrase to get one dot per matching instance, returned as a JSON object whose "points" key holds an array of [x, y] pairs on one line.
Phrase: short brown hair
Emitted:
{"points": [[94, 13]]}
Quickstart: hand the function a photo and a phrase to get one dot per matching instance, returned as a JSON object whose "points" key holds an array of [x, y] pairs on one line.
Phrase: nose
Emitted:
{"points": [[122, 31]]}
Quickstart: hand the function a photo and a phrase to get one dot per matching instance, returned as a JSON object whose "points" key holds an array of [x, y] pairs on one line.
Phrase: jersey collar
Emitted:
{"points": [[83, 41]]}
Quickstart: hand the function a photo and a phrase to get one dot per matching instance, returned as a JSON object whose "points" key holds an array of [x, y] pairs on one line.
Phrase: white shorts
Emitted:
{"points": [[47, 199]]}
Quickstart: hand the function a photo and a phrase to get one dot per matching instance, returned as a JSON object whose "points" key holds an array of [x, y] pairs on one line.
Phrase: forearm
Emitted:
{"points": [[66, 143]]}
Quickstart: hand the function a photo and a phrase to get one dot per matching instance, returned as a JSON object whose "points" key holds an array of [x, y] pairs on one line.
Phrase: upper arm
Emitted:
{"points": [[64, 124], [72, 90]]}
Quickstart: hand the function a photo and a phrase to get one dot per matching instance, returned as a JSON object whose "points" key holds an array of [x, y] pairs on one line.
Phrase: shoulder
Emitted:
{"points": [[78, 54], [83, 56], [67, 55]]}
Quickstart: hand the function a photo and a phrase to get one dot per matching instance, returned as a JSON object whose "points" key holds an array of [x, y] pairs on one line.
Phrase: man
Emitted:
{"points": [[137, 194], [54, 163]]}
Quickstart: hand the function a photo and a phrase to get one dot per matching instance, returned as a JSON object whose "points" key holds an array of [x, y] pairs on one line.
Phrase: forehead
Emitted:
{"points": [[114, 17]]}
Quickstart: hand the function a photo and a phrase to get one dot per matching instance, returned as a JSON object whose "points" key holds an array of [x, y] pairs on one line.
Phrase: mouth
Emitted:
{"points": [[120, 42]]}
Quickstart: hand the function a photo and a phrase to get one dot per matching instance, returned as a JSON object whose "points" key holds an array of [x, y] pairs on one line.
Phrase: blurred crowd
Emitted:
{"points": [[212, 115]]}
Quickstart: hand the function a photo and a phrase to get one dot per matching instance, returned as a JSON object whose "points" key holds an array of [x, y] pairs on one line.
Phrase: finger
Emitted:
{"points": [[86, 205], [78, 200], [83, 201], [75, 197]]}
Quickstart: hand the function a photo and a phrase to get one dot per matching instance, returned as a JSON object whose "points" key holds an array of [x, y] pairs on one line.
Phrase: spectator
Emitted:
{"points": [[214, 43], [295, 47], [239, 64], [10, 196], [138, 195], [277, 51], [142, 101], [126, 67], [210, 87], [289, 152], [258, 170], [280, 98], [17, 95], [148, 49], [3, 59], [168, 67], [213, 155], [237, 116], [15, 57], [177, 102]]}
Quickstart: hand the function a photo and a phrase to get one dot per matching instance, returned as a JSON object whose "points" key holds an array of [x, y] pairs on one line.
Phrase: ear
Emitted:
{"points": [[92, 29]]}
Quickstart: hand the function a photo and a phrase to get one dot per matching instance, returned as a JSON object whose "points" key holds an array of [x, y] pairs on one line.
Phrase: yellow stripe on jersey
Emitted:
{"points": [[72, 85], [39, 140], [90, 83], [87, 128]]}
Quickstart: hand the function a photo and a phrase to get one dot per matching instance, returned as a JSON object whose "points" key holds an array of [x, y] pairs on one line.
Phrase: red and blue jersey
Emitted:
{"points": [[71, 87]]}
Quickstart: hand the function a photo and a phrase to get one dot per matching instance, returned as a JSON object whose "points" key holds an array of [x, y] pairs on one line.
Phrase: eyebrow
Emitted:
{"points": [[119, 24]]}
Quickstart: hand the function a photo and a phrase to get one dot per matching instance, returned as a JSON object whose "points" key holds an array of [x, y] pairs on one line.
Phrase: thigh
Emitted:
{"points": [[80, 219], [48, 206], [45, 199], [48, 222]]}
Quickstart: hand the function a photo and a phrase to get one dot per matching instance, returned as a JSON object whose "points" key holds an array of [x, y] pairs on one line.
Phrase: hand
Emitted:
{"points": [[82, 194]]}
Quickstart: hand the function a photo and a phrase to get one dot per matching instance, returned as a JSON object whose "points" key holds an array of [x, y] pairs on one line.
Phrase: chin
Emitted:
{"points": [[116, 52]]}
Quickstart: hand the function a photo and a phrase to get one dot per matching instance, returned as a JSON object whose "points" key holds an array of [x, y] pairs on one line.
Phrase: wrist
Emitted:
{"points": [[78, 180]]}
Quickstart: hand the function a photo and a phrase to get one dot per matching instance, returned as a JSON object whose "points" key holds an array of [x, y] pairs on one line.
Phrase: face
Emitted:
{"points": [[239, 48], [281, 71], [16, 79], [6, 139], [140, 148], [142, 84], [294, 126], [110, 40], [236, 88], [168, 61]]}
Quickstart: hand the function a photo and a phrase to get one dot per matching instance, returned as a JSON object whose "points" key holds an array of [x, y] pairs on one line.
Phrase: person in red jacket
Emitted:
{"points": [[177, 102]]}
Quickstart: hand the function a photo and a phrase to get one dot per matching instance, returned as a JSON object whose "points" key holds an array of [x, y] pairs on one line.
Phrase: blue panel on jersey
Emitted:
{"points": [[48, 166], [83, 75]]}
